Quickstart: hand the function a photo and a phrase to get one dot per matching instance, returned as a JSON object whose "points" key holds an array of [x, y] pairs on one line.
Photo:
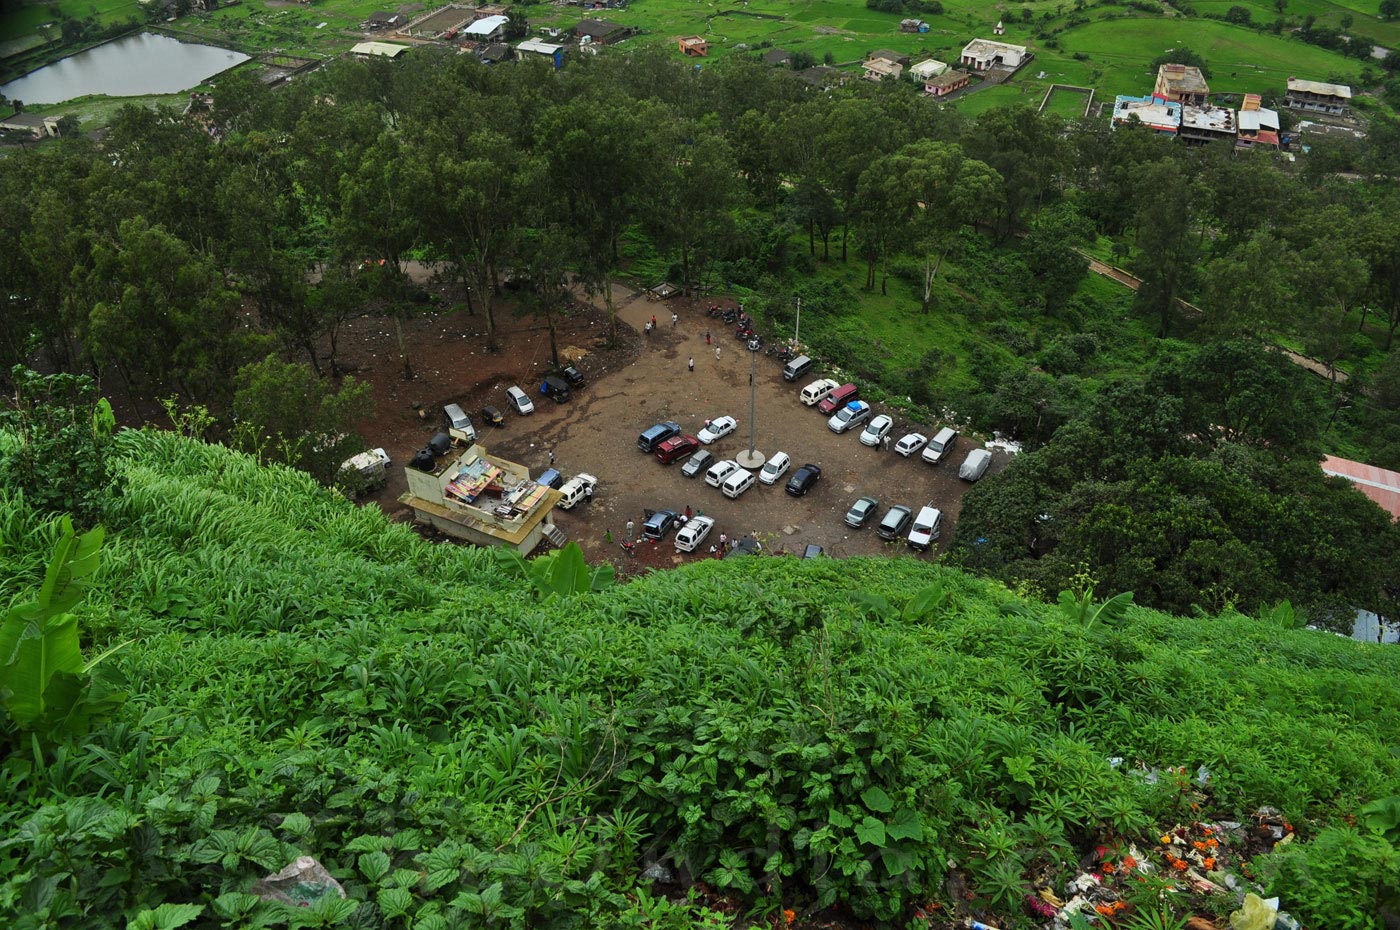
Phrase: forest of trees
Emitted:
{"points": [[173, 231]]}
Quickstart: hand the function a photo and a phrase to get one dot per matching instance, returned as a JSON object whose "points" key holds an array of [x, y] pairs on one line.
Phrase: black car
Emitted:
{"points": [[802, 480], [658, 434], [659, 523], [572, 375], [493, 415], [896, 522], [555, 387]]}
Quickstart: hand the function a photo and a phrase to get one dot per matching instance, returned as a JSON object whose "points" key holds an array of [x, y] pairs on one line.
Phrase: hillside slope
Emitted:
{"points": [[306, 679]]}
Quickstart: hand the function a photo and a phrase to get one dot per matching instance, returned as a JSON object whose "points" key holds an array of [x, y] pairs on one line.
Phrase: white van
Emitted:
{"points": [[816, 392], [578, 488], [774, 468], [368, 466], [797, 368], [693, 533], [939, 446], [926, 529], [737, 483], [520, 401], [975, 465], [459, 425]]}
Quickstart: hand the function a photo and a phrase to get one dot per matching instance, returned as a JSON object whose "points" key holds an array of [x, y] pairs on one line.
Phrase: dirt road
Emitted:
{"points": [[629, 389]]}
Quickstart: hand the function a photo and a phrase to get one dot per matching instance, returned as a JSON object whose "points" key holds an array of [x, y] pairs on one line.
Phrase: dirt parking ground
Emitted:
{"points": [[629, 388]]}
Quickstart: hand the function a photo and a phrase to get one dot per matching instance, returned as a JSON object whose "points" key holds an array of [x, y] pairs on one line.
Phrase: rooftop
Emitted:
{"points": [[1378, 484], [1255, 120], [984, 48], [379, 49], [1208, 119], [928, 68], [598, 28], [1318, 87], [539, 47], [23, 120], [1183, 79], [947, 79], [884, 68], [1149, 110], [486, 26]]}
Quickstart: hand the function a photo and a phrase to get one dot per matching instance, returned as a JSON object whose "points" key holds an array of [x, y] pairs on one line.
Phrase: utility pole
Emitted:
{"points": [[752, 458], [796, 330]]}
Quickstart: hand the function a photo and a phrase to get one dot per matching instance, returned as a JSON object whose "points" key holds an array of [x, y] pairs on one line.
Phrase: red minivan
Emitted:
{"points": [[675, 447], [838, 399]]}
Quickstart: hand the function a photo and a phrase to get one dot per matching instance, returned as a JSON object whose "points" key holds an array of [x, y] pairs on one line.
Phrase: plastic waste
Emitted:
{"points": [[1256, 914], [300, 884]]}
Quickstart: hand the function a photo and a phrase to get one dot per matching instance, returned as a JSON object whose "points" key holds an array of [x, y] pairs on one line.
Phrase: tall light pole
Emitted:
{"points": [[796, 330], [751, 458]]}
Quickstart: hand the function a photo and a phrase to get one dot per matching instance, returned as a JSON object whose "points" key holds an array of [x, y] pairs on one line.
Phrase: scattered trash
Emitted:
{"points": [[1202, 776], [1256, 914], [300, 884], [656, 872]]}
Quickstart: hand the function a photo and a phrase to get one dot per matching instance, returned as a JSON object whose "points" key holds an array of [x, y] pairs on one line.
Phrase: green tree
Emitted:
{"points": [[285, 412], [694, 191], [1181, 55], [1024, 148], [1166, 240], [1233, 310], [1051, 251]]}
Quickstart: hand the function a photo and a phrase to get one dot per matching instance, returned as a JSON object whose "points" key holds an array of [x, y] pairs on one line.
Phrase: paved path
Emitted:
{"points": [[1132, 282]]}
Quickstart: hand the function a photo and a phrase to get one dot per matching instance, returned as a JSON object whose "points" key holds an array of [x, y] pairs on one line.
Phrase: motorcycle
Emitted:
{"points": [[730, 316], [716, 311], [744, 332], [755, 343]]}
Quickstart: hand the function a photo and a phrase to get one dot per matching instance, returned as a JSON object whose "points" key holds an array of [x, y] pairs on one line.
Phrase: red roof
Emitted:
{"points": [[1379, 485]]}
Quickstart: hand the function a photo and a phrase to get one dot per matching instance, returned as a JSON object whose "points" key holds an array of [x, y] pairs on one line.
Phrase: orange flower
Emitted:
{"points": [[1129, 863], [1199, 845], [1104, 909], [1108, 868], [789, 916], [1212, 843], [1119, 906], [1209, 862]]}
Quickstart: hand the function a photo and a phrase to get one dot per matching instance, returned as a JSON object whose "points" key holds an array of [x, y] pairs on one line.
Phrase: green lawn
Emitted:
{"points": [[1328, 13], [96, 112], [31, 16]]}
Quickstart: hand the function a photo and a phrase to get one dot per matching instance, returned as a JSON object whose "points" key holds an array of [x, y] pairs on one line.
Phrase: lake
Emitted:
{"points": [[131, 66]]}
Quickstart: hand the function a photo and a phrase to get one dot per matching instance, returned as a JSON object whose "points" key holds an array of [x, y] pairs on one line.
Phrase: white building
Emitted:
{"points": [[927, 69], [378, 50], [487, 29], [1318, 97], [984, 54]]}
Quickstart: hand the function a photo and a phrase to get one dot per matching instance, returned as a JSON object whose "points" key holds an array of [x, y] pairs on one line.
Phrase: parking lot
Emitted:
{"points": [[596, 432]]}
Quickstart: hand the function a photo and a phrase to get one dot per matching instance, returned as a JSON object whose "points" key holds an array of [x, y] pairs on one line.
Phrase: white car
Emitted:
{"points": [[775, 468], [850, 415], [928, 526], [719, 471], [718, 429], [690, 536], [816, 392], [910, 444], [876, 430]]}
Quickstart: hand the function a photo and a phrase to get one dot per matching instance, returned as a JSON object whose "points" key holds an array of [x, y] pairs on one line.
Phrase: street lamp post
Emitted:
{"points": [[751, 458], [797, 330]]}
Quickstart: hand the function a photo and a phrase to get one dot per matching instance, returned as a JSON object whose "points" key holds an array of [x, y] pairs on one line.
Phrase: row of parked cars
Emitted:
{"points": [[846, 410], [557, 386], [666, 441]]}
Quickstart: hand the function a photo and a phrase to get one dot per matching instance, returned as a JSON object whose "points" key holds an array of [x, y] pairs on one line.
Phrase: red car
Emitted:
{"points": [[676, 447]]}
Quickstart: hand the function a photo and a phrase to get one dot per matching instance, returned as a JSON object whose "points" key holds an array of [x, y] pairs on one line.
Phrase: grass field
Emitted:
{"points": [[1328, 13], [30, 17]]}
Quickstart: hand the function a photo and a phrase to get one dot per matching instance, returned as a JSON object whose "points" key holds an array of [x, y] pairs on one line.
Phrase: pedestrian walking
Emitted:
{"points": [[648, 329], [551, 456], [716, 353], [675, 318], [887, 442], [687, 513], [608, 537], [653, 321], [723, 540], [630, 527], [692, 364], [707, 337]]}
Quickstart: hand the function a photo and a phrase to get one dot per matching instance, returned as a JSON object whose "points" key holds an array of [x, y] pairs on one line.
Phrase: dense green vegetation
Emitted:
{"points": [[936, 258], [461, 749]]}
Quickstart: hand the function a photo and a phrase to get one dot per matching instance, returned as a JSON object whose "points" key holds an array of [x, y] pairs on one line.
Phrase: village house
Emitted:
{"points": [[898, 58], [1183, 84], [487, 29], [378, 50], [32, 123], [945, 83], [877, 69], [1162, 116], [913, 25], [1258, 125], [694, 46], [383, 20], [984, 54], [927, 69], [1200, 125], [601, 31], [550, 50], [481, 498], [777, 57], [1317, 97], [494, 53], [821, 76]]}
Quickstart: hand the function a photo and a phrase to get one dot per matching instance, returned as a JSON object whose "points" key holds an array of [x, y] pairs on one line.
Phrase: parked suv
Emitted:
{"points": [[926, 529], [895, 522], [659, 524], [675, 447], [658, 434], [838, 398]]}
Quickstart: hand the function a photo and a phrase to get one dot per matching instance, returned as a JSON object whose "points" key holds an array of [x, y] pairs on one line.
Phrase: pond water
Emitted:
{"points": [[133, 65]]}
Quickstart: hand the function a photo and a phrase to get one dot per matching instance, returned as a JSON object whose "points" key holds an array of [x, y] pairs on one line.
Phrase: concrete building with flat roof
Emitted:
{"points": [[378, 50], [984, 54], [1318, 97], [1162, 116], [1184, 84], [927, 69], [1207, 124], [482, 499]]}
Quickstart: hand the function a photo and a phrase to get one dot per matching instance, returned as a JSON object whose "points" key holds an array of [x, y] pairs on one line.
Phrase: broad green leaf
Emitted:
{"points": [[837, 819], [374, 865], [297, 823], [877, 800], [165, 917], [872, 604], [906, 826], [395, 902], [871, 831]]}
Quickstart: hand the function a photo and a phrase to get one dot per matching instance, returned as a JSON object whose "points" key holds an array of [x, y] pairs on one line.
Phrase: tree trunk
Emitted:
{"points": [[826, 244], [870, 274], [884, 273], [553, 345], [612, 309], [1390, 331], [845, 234], [403, 347], [811, 236], [685, 268], [310, 348]]}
